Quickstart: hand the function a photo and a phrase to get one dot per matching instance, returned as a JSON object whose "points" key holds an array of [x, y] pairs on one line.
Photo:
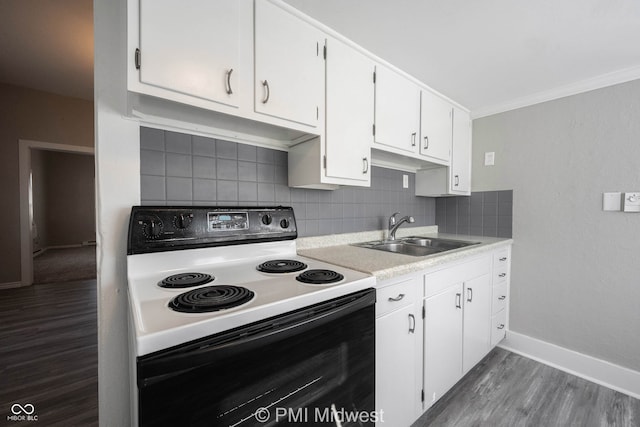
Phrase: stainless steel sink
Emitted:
{"points": [[416, 246]]}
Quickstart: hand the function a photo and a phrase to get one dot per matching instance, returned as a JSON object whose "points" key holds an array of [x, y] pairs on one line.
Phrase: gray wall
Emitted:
{"points": [[575, 279], [485, 213], [180, 169]]}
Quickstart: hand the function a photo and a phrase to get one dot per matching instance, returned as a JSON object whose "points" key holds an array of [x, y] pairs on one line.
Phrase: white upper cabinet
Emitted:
{"points": [[397, 112], [436, 116], [289, 66], [349, 113], [460, 180], [192, 48]]}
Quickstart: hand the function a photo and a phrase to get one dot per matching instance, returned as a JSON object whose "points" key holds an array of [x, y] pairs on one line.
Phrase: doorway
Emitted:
{"points": [[44, 164]]}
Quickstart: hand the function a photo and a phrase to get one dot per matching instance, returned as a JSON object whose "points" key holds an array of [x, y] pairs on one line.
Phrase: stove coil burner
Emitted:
{"points": [[185, 280], [319, 277], [281, 266], [211, 298]]}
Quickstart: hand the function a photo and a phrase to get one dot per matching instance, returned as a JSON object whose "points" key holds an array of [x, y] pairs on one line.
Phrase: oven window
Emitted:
{"points": [[291, 375]]}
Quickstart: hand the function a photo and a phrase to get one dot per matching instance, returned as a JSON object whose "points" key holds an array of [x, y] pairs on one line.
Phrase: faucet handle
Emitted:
{"points": [[411, 220], [392, 218]]}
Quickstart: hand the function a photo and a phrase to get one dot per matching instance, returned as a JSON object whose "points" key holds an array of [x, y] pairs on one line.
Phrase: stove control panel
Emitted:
{"points": [[162, 228]]}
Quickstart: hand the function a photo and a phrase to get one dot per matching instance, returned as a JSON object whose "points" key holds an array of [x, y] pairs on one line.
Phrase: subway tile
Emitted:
{"points": [[152, 187], [490, 197], [299, 210], [313, 210], [265, 155], [337, 196], [179, 189], [179, 165], [505, 221], [324, 211], [227, 169], [475, 231], [281, 174], [489, 221], [266, 172], [475, 221], [463, 229], [298, 195], [337, 226], [301, 227], [151, 139], [247, 191], [152, 162], [348, 210], [312, 227], [177, 143], [505, 232], [266, 192], [324, 227], [247, 152], [204, 167], [247, 171], [153, 202], [227, 191], [226, 150], [336, 210], [204, 190], [489, 231], [280, 157], [313, 196], [202, 146], [490, 209], [179, 203], [476, 197], [505, 208]]}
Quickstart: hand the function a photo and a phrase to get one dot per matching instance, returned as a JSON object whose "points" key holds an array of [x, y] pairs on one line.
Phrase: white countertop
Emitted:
{"points": [[338, 250]]}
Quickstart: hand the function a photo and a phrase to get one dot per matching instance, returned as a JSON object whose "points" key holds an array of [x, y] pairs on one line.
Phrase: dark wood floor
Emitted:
{"points": [[49, 352], [509, 390]]}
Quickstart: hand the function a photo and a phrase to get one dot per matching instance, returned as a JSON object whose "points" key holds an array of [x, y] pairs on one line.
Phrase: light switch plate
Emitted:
{"points": [[611, 201], [632, 202], [489, 158], [405, 181]]}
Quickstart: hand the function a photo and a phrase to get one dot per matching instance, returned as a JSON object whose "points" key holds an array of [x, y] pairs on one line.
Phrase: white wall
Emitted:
{"points": [[118, 188], [575, 280]]}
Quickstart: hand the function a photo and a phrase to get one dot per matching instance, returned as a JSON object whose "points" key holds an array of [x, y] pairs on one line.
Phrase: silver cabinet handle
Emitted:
{"points": [[504, 258], [458, 302], [398, 298], [470, 294], [502, 297], [229, 91], [267, 92], [412, 324], [502, 274], [501, 326], [426, 142], [413, 139], [456, 180], [365, 164]]}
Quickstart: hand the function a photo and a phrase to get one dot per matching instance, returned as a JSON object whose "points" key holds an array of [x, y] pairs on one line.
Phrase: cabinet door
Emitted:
{"points": [[435, 127], [396, 378], [460, 179], [477, 320], [442, 343], [349, 116], [289, 65], [191, 47], [397, 111]]}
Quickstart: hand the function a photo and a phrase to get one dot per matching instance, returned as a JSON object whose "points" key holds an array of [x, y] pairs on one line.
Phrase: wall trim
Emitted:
{"points": [[598, 82], [10, 285], [592, 369]]}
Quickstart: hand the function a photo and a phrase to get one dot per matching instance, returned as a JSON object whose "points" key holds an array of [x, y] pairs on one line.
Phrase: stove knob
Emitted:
{"points": [[267, 219], [284, 223], [152, 229], [183, 221]]}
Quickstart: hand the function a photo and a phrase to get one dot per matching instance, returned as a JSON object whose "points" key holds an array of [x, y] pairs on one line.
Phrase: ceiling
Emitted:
{"points": [[490, 55]]}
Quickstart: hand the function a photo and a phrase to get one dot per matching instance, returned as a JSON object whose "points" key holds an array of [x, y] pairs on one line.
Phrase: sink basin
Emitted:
{"points": [[416, 246]]}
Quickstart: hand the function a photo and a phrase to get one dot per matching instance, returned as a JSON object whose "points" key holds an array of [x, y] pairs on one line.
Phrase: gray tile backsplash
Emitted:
{"points": [[486, 213], [180, 169]]}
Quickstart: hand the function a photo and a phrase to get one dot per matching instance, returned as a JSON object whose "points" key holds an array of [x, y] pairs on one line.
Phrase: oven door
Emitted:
{"points": [[313, 366]]}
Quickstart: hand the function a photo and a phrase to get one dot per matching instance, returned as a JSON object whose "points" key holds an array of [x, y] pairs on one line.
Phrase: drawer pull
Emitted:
{"points": [[504, 258], [469, 294], [458, 301], [412, 324], [502, 297], [501, 326], [396, 299], [502, 274]]}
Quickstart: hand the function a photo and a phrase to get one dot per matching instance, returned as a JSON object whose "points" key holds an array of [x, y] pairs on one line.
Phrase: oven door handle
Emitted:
{"points": [[160, 367]]}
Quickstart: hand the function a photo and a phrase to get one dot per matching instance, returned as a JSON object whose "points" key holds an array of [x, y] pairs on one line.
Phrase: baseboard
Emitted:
{"points": [[599, 371], [10, 285]]}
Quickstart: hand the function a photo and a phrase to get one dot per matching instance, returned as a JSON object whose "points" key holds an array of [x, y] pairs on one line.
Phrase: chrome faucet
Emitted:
{"points": [[394, 224]]}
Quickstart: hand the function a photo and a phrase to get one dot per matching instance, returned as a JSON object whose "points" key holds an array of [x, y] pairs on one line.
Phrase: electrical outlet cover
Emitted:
{"points": [[612, 202], [632, 202]]}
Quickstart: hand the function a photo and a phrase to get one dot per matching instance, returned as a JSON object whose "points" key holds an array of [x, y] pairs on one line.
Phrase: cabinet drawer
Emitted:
{"points": [[498, 327], [499, 298], [500, 274], [395, 296]]}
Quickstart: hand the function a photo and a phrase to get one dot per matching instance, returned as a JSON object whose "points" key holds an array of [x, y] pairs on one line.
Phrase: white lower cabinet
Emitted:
{"points": [[432, 327], [398, 351]]}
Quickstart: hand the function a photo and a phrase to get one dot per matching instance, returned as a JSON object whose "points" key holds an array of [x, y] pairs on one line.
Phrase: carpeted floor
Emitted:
{"points": [[65, 265]]}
